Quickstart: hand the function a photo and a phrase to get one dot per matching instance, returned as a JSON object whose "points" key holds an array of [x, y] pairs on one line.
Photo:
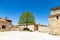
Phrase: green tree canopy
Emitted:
{"points": [[26, 18]]}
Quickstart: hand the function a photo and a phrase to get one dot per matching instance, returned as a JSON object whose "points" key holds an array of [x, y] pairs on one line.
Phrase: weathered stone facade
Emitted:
{"points": [[5, 24], [54, 21]]}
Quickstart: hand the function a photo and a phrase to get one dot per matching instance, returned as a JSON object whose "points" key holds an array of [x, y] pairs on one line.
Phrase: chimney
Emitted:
{"points": [[6, 18]]}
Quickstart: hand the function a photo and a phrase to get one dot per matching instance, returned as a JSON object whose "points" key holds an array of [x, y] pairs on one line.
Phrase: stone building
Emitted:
{"points": [[54, 20], [5, 24]]}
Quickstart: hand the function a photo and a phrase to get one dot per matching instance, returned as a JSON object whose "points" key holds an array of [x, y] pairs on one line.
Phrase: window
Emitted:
{"points": [[3, 26], [57, 17]]}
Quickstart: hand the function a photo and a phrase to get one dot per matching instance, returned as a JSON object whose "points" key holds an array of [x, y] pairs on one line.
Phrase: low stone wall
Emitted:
{"points": [[31, 27], [43, 28], [21, 28], [14, 29]]}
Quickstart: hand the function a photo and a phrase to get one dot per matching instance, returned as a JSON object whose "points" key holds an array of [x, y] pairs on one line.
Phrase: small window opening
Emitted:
{"points": [[57, 17], [3, 26]]}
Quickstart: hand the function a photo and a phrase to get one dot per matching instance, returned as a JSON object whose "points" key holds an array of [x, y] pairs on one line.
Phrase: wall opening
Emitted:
{"points": [[27, 29], [57, 17], [3, 26]]}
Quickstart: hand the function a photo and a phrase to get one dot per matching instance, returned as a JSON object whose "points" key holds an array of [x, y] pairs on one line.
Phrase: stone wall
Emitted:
{"points": [[21, 27], [31, 27], [55, 12], [54, 20], [54, 24], [14, 29], [43, 28], [7, 24]]}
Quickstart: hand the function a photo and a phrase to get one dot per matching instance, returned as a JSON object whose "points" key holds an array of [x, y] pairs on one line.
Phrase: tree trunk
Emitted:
{"points": [[26, 23]]}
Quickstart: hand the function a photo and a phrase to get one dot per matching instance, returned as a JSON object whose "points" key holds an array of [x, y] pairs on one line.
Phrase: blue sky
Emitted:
{"points": [[40, 9]]}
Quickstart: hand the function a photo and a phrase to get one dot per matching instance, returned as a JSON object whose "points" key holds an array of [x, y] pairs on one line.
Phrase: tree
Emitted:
{"points": [[26, 18]]}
